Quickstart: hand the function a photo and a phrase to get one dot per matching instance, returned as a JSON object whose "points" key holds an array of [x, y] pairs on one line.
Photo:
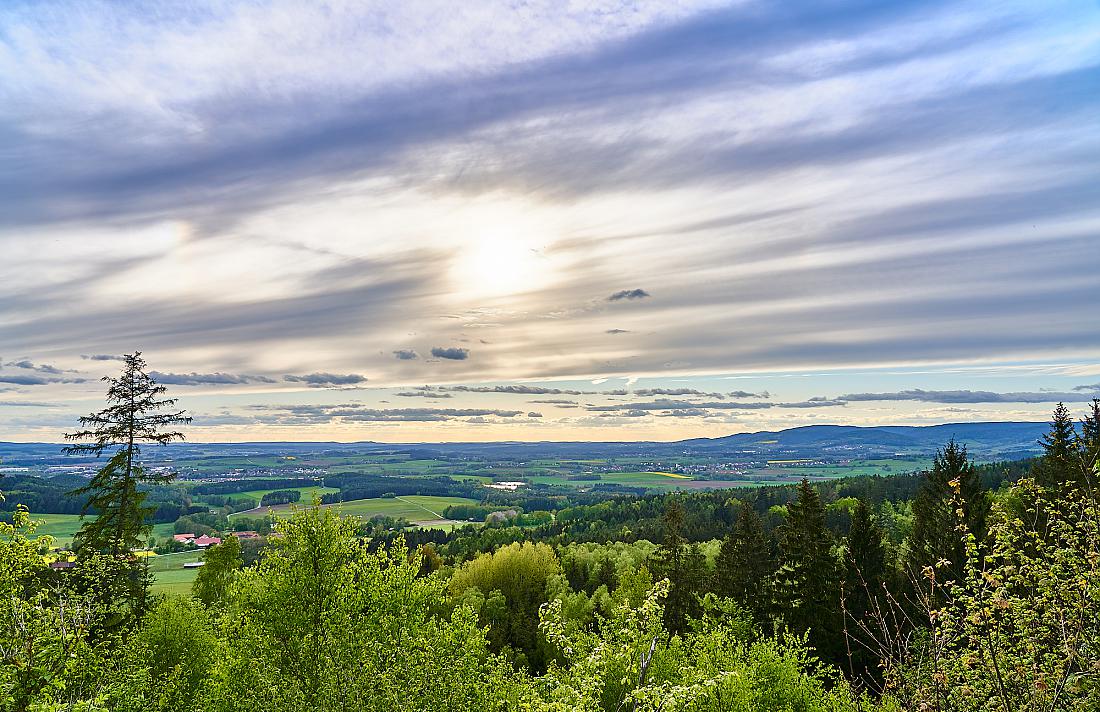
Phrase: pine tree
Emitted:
{"points": [[864, 575], [865, 554], [745, 564], [684, 566], [115, 494], [1060, 463], [1089, 440], [807, 590], [951, 495]]}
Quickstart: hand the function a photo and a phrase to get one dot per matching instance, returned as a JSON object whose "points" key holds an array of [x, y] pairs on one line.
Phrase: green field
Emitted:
{"points": [[61, 527], [652, 480], [308, 493], [415, 508], [169, 574]]}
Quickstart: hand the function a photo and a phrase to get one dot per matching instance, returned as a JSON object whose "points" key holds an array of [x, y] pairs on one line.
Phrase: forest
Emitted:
{"points": [[964, 587]]}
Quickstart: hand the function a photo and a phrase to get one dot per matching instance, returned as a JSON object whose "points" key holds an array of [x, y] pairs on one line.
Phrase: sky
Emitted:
{"points": [[548, 220]]}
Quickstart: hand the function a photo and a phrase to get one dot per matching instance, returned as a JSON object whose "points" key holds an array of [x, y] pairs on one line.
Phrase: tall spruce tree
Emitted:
{"points": [[745, 564], [807, 589], [683, 566], [865, 558], [1088, 444], [1060, 463], [865, 572], [951, 495], [133, 417]]}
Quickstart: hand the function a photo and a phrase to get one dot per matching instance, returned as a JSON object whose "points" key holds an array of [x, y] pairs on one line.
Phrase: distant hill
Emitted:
{"points": [[986, 441], [980, 438]]}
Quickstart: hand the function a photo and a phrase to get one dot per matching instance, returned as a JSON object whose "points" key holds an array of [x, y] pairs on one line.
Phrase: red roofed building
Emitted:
{"points": [[246, 535], [184, 538], [204, 541]]}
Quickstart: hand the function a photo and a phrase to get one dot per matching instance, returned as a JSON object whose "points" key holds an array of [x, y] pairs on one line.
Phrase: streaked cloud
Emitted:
{"points": [[208, 379], [804, 188], [326, 379], [965, 396]]}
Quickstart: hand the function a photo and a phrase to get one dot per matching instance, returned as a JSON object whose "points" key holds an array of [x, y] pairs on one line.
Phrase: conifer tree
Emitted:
{"points": [[131, 418], [865, 558], [683, 566], [745, 564], [1060, 463], [807, 590], [951, 495], [865, 573], [1089, 439]]}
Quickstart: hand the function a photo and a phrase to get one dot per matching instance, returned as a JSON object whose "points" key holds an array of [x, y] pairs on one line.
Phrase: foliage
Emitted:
{"points": [[632, 662], [45, 630], [321, 624], [507, 588], [1021, 630], [220, 565]]}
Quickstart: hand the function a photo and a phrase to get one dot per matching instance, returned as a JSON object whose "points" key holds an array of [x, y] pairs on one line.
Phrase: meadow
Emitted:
{"points": [[168, 572], [419, 509]]}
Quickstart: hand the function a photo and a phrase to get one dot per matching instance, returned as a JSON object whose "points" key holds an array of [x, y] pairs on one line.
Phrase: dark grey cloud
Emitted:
{"points": [[28, 365], [516, 390], [207, 379], [1093, 388], [683, 408], [695, 392], [670, 404], [320, 414], [534, 414], [814, 403], [675, 392], [628, 294], [554, 401], [101, 357], [453, 353], [322, 380], [26, 404], [617, 331], [422, 394], [34, 380], [405, 355], [967, 396], [684, 413]]}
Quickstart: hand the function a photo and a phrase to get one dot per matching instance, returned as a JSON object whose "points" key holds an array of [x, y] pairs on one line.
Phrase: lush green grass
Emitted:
{"points": [[653, 480], [415, 508], [308, 493], [61, 527], [169, 574]]}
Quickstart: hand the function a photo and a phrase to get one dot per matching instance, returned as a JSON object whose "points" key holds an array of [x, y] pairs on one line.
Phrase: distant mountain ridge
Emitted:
{"points": [[988, 441], [1021, 435]]}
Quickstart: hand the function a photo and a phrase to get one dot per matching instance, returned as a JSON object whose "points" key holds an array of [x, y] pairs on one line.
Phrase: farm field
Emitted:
{"points": [[62, 527], [168, 572], [308, 493], [415, 508]]}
